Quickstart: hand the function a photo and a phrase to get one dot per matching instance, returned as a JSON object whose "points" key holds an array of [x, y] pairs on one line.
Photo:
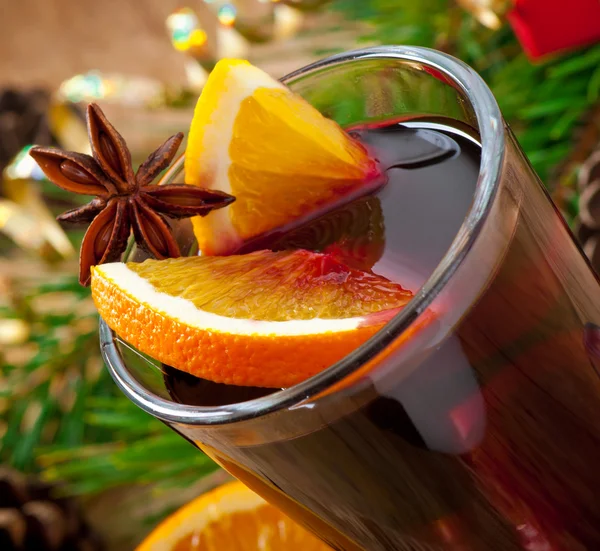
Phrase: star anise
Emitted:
{"points": [[124, 200]]}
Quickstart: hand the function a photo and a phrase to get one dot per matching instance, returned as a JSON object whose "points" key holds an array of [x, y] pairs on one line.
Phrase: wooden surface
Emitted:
{"points": [[44, 42]]}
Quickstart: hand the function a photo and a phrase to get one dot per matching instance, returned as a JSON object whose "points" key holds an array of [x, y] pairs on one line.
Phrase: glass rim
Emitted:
{"points": [[489, 120]]}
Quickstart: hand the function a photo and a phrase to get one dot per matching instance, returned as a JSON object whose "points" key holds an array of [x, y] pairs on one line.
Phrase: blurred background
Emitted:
{"points": [[62, 420]]}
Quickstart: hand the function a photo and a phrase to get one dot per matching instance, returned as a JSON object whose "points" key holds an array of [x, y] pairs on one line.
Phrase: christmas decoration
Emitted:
{"points": [[563, 178], [305, 5], [257, 21], [487, 12], [548, 26], [205, 36], [114, 88], [27, 117], [543, 27], [34, 518], [588, 228], [253, 19], [25, 218]]}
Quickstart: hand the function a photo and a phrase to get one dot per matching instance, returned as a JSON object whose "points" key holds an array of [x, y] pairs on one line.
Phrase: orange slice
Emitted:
{"points": [[354, 233], [231, 517], [281, 159], [266, 319]]}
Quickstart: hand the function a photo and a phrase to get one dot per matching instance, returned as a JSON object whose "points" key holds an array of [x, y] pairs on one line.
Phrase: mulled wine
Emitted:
{"points": [[490, 441], [468, 422]]}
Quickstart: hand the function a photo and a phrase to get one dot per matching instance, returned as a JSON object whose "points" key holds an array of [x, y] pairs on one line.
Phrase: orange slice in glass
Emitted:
{"points": [[281, 159], [231, 517], [354, 233], [266, 319]]}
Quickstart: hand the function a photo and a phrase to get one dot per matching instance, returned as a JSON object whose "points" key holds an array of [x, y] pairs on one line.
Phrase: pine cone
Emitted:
{"points": [[588, 227], [32, 518]]}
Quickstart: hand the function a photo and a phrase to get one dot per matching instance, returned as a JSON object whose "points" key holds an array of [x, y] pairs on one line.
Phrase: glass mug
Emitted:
{"points": [[468, 422]]}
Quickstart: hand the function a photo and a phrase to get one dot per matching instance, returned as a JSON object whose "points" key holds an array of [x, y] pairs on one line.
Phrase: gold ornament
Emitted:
{"points": [[488, 12], [24, 216], [288, 21], [304, 5], [258, 21], [253, 19], [205, 37]]}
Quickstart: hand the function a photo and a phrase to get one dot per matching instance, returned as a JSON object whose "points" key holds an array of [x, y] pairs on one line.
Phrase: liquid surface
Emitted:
{"points": [[492, 443], [431, 183]]}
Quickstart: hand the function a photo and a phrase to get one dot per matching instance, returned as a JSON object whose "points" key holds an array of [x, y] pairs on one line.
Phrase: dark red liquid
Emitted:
{"points": [[426, 164], [493, 441]]}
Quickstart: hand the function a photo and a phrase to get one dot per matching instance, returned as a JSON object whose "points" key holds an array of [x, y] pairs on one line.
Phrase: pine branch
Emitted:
{"points": [[544, 103], [64, 416]]}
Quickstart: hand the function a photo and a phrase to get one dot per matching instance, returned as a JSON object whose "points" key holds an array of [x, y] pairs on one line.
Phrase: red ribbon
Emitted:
{"points": [[547, 26]]}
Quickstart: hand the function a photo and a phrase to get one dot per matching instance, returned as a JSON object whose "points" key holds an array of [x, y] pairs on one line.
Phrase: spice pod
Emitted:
{"points": [[125, 200]]}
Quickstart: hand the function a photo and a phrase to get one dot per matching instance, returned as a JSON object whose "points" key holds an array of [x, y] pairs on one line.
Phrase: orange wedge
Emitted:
{"points": [[230, 518], [266, 319], [354, 233], [281, 159]]}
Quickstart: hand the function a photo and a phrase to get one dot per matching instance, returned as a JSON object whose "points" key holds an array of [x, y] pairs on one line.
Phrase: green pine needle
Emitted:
{"points": [[66, 418]]}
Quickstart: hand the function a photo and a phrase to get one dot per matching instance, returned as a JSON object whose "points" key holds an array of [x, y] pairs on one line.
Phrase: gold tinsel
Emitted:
{"points": [[489, 13]]}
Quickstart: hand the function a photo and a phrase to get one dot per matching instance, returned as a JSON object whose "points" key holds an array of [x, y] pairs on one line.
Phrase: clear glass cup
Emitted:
{"points": [[468, 423]]}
